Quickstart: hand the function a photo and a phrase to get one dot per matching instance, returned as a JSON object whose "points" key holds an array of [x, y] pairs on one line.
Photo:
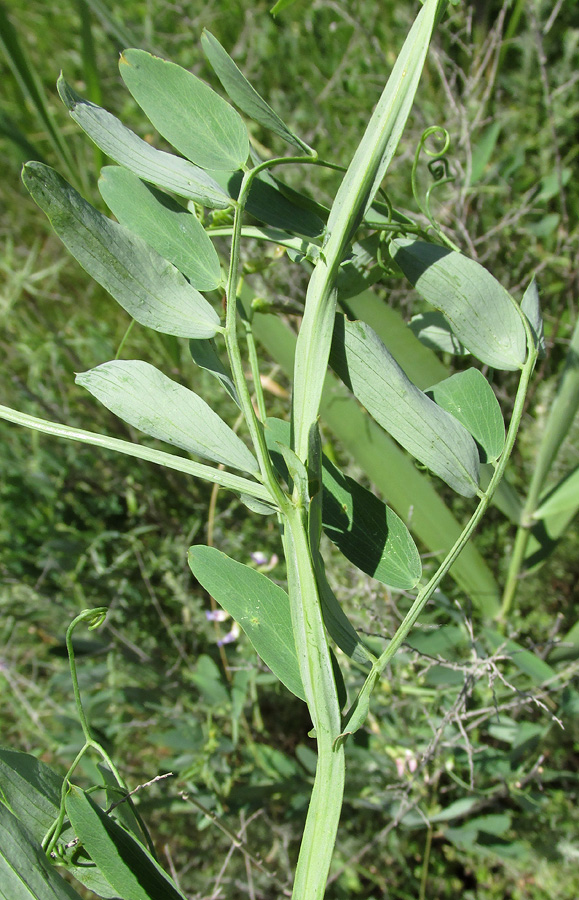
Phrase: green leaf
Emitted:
{"points": [[531, 306], [367, 532], [469, 398], [280, 6], [148, 287], [420, 363], [268, 204], [483, 151], [144, 397], [171, 230], [25, 872], [433, 330], [482, 314], [243, 93], [360, 270], [204, 354], [567, 648], [186, 111], [429, 433], [119, 143], [563, 498], [30, 789], [124, 862], [258, 605]]}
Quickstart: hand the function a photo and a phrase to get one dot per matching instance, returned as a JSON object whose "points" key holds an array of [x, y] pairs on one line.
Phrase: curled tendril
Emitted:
{"points": [[439, 168], [438, 133], [94, 618]]}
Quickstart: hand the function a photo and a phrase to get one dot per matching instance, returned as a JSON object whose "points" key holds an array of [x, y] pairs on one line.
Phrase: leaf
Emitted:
{"points": [[567, 648], [433, 331], [481, 313], [367, 532], [124, 812], [563, 498], [421, 364], [562, 413], [171, 230], [187, 112], [243, 93], [471, 400], [429, 433], [531, 306], [25, 872], [363, 528], [268, 204], [121, 144], [360, 270], [204, 354], [280, 6], [30, 789], [258, 605], [483, 151], [148, 287], [144, 397], [124, 862]]}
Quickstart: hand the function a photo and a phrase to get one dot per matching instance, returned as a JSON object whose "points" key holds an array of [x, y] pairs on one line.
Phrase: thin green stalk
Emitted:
{"points": [[255, 373], [561, 416], [516, 561], [95, 618], [170, 461], [359, 710], [255, 427]]}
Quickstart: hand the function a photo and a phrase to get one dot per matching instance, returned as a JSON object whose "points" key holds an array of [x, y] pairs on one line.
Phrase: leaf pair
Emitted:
{"points": [[145, 284]]}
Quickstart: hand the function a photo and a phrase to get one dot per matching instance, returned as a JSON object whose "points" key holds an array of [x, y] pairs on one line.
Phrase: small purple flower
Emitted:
{"points": [[231, 636], [216, 615], [259, 558]]}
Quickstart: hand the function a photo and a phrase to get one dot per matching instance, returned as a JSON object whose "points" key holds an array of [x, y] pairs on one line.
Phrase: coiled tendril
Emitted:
{"points": [[439, 168]]}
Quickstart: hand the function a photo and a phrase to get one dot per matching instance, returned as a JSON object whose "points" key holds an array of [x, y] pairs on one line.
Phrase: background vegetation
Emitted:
{"points": [[471, 750]]}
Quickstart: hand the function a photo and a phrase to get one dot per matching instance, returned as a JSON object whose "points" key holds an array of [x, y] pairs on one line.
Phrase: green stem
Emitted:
{"points": [[255, 427], [169, 460], [95, 617], [561, 416], [255, 373], [513, 574], [316, 669]]}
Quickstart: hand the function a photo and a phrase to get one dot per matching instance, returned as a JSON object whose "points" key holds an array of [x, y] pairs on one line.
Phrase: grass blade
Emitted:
{"points": [[31, 87]]}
